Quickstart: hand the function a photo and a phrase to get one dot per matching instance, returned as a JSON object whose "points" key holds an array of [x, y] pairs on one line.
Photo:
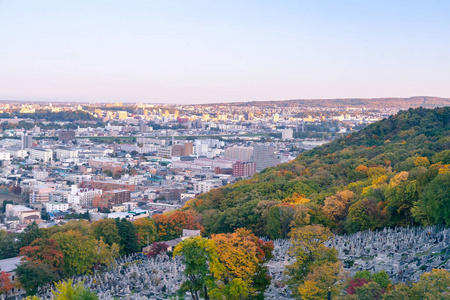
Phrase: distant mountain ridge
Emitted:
{"points": [[392, 102]]}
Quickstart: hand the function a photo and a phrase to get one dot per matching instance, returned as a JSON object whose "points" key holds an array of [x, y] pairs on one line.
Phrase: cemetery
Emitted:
{"points": [[404, 253]]}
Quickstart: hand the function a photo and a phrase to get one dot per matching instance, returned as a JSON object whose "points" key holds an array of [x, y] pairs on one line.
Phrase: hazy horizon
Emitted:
{"points": [[212, 52], [219, 102]]}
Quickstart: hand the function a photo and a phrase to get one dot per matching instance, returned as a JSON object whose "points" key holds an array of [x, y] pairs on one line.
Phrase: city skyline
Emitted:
{"points": [[201, 52]]}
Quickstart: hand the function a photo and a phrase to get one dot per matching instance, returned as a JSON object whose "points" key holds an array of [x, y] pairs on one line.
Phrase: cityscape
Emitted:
{"points": [[112, 159], [224, 150]]}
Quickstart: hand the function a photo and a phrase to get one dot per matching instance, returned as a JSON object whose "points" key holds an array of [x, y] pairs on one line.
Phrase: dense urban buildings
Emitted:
{"points": [[145, 160]]}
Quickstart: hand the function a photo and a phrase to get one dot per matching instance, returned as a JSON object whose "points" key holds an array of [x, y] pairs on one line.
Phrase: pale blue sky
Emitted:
{"points": [[213, 51]]}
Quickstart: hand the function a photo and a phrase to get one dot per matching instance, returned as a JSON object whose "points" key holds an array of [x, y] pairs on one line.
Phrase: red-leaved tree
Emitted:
{"points": [[5, 283]]}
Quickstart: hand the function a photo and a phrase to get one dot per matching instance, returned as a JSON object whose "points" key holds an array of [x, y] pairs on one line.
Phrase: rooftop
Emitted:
{"points": [[9, 264]]}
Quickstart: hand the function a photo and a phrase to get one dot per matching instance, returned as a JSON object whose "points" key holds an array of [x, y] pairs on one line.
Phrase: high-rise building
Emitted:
{"points": [[276, 118], [66, 135], [244, 169], [264, 156], [287, 134], [122, 115], [27, 141], [241, 153], [184, 149]]}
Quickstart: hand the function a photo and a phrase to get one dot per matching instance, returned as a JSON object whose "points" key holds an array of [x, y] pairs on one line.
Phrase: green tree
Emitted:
{"points": [[279, 220], [382, 278], [442, 157], [202, 267], [79, 252], [128, 236], [30, 233], [433, 285], [32, 275], [434, 202], [369, 291], [400, 200], [107, 230], [9, 244], [363, 215], [4, 205]]}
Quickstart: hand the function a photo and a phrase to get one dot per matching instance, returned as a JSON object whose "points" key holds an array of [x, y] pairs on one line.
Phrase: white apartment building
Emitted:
{"points": [[17, 152], [147, 148], [165, 151], [62, 153], [52, 206], [82, 197], [41, 154], [5, 155], [40, 175], [207, 185], [264, 156], [79, 178], [287, 134], [201, 149]]}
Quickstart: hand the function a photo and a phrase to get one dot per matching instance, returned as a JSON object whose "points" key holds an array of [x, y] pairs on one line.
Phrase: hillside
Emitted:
{"points": [[391, 102], [393, 173]]}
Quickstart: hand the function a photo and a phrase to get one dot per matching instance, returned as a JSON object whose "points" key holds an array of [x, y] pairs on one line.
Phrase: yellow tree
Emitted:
{"points": [[421, 162], [321, 280], [336, 207], [312, 258], [105, 253], [162, 226], [66, 290], [433, 285], [243, 256]]}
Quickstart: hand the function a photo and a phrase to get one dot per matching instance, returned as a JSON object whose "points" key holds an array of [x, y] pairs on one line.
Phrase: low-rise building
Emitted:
{"points": [[40, 154], [21, 212], [207, 185], [56, 206]]}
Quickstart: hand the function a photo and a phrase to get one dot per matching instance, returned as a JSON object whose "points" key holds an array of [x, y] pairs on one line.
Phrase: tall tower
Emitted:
{"points": [[27, 141]]}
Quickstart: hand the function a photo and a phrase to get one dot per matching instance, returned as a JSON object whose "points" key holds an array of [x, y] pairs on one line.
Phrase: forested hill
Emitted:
{"points": [[393, 172]]}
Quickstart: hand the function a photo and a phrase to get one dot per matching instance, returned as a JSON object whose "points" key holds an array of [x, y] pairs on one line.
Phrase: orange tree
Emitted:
{"points": [[44, 251], [180, 220], [5, 283], [162, 224]]}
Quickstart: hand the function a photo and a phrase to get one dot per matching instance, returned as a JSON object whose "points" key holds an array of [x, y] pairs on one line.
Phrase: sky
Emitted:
{"points": [[190, 52]]}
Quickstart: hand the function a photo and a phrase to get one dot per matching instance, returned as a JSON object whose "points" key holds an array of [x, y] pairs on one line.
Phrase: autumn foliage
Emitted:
{"points": [[5, 283], [239, 264]]}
